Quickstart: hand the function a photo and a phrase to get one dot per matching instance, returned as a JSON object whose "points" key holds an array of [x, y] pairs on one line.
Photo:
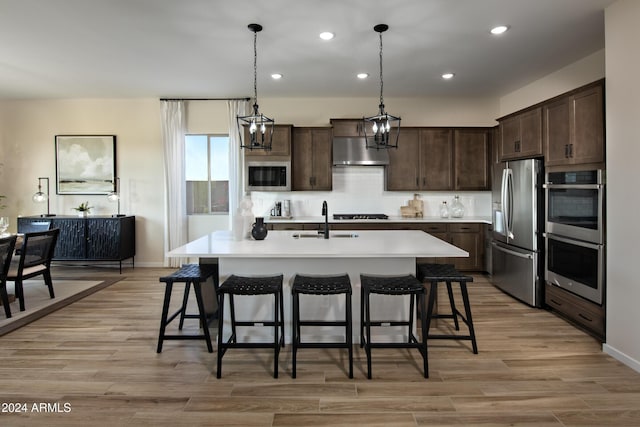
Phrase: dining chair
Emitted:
{"points": [[35, 260], [7, 246]]}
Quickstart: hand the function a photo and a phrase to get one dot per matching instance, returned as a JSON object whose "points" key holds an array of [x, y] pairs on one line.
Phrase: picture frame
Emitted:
{"points": [[85, 164]]}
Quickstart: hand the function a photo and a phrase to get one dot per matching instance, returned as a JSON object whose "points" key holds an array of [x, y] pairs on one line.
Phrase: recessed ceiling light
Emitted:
{"points": [[326, 35], [499, 29], [448, 76], [362, 75], [276, 76]]}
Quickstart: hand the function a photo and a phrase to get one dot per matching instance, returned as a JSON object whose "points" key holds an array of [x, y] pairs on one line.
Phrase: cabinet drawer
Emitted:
{"points": [[576, 309], [435, 227], [464, 228]]}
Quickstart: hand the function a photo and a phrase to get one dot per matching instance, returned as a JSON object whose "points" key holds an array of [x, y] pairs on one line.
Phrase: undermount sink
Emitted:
{"points": [[320, 235]]}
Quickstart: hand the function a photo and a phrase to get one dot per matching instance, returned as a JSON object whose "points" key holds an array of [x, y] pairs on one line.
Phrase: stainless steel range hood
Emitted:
{"points": [[353, 151]]}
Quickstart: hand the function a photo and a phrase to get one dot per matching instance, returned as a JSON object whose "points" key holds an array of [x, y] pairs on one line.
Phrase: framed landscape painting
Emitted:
{"points": [[85, 164]]}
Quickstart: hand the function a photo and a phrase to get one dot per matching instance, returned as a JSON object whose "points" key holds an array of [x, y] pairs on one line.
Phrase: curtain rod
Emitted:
{"points": [[205, 99]]}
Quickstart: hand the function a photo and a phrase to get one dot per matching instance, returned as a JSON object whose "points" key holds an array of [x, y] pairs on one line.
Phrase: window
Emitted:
{"points": [[207, 174]]}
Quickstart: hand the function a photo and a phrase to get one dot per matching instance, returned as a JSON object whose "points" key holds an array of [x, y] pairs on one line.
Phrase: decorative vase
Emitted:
{"points": [[457, 208], [83, 214], [444, 210], [259, 229]]}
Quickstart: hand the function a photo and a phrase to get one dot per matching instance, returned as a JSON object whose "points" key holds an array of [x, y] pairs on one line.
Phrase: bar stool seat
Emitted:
{"points": [[321, 285], [447, 273], [393, 285], [241, 285], [188, 274]]}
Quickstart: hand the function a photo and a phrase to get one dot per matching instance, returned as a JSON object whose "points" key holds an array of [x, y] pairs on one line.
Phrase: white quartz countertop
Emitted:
{"points": [[395, 219], [283, 244]]}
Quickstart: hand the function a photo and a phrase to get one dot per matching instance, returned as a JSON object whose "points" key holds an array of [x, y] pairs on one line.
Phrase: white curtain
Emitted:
{"points": [[173, 118], [236, 158]]}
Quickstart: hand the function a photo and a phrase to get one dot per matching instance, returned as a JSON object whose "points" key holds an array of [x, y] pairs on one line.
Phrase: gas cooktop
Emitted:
{"points": [[360, 216]]}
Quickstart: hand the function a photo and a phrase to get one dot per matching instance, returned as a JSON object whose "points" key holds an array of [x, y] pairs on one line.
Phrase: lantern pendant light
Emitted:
{"points": [[260, 126], [382, 130]]}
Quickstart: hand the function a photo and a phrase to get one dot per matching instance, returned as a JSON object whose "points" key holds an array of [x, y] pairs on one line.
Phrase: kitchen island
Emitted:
{"points": [[384, 252]]}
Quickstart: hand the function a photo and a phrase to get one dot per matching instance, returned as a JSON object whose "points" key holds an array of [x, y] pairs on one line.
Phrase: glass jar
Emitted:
{"points": [[457, 208], [444, 210]]}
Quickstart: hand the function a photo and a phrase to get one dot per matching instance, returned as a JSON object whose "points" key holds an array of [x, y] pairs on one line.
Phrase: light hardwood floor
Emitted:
{"points": [[97, 357]]}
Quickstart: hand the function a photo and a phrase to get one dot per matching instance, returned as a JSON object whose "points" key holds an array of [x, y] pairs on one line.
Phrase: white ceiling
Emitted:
{"points": [[203, 48]]}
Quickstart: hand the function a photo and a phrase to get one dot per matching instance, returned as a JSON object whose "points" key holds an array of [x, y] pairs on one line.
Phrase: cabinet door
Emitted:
{"points": [[321, 157], [301, 160], [404, 162], [587, 127], [103, 238], [471, 148], [436, 159], [556, 132], [531, 133], [280, 143], [72, 240], [522, 135], [347, 127], [510, 138], [469, 237], [311, 155]]}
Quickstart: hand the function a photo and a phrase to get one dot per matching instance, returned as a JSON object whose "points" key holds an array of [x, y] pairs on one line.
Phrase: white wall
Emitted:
{"points": [[582, 72], [623, 153], [27, 147]]}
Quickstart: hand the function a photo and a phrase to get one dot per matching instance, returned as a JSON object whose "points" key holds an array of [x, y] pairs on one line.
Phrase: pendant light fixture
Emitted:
{"points": [[382, 130], [260, 127]]}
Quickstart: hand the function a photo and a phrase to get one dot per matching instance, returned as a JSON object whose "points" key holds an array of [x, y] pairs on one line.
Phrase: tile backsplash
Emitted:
{"points": [[360, 189]]}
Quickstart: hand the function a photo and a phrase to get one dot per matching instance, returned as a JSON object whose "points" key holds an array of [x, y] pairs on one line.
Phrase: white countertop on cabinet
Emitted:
{"points": [[283, 244]]}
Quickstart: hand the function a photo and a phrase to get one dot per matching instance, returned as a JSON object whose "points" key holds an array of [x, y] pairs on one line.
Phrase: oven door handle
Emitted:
{"points": [[572, 241], [573, 186]]}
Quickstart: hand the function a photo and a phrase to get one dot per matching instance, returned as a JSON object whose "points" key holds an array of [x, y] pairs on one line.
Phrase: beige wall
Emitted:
{"points": [[623, 205], [27, 147]]}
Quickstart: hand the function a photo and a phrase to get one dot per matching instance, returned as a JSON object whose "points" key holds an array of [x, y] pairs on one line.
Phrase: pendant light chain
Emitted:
{"points": [[255, 68], [381, 82]]}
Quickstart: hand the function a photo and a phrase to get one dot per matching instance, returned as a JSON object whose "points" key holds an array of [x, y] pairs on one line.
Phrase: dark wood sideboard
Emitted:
{"points": [[95, 238]]}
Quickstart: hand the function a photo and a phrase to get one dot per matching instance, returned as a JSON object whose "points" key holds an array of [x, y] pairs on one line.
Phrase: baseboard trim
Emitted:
{"points": [[621, 357]]}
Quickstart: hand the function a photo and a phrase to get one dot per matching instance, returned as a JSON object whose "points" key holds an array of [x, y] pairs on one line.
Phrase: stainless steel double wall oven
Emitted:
{"points": [[575, 232]]}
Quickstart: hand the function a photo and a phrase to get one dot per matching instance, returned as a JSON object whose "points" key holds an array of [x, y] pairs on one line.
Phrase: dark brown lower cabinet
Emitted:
{"points": [[467, 236], [582, 313]]}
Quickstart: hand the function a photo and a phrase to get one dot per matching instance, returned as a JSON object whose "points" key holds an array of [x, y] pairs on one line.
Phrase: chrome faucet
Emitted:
{"points": [[325, 212]]}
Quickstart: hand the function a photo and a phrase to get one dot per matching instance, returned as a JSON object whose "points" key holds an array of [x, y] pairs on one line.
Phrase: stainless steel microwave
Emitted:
{"points": [[268, 175]]}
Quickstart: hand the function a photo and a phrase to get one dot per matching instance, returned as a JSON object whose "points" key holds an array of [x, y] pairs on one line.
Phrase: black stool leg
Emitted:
{"points": [[432, 298], [281, 293], [367, 345], [232, 310], [467, 309], [349, 337], [165, 313], [361, 316], [185, 299], [423, 321], [295, 333], [454, 310], [221, 349], [276, 341], [203, 315]]}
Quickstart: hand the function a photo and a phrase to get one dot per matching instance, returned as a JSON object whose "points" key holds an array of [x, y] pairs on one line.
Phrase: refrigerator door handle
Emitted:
{"points": [[507, 185], [504, 201], [510, 252]]}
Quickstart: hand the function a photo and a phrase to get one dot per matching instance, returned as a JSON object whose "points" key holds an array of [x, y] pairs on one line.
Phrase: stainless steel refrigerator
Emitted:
{"points": [[518, 214]]}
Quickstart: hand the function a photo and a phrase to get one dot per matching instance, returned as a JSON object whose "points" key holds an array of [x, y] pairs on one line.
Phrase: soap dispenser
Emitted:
{"points": [[444, 210]]}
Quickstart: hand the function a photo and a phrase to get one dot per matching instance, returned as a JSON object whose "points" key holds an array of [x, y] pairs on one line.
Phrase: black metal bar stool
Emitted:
{"points": [[447, 273], [240, 285], [321, 285], [188, 274], [393, 285]]}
